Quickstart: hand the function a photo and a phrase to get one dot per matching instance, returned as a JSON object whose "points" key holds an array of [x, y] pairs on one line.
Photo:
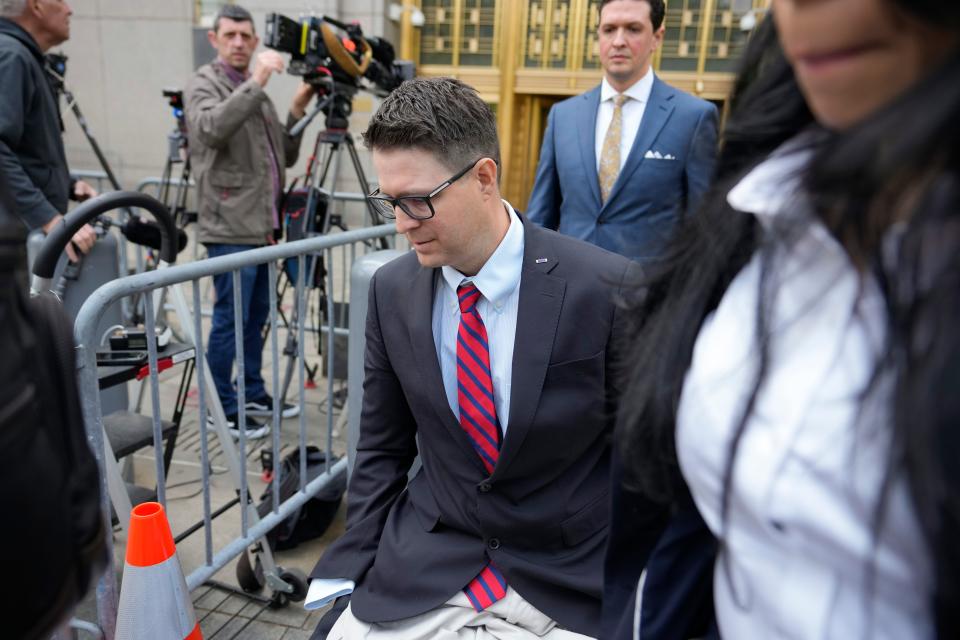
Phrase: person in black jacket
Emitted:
{"points": [[31, 144]]}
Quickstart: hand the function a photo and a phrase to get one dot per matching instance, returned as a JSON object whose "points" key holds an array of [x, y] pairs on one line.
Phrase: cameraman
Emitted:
{"points": [[31, 143], [239, 151]]}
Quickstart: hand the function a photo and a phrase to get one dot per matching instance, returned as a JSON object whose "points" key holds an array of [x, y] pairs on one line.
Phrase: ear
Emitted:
{"points": [[256, 42], [658, 36], [487, 172], [212, 37]]}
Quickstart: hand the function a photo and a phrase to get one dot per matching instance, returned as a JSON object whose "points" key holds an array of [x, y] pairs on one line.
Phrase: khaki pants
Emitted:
{"points": [[511, 618]]}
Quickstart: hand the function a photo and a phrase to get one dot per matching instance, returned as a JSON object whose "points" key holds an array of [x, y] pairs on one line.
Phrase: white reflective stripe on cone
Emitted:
{"points": [[155, 604]]}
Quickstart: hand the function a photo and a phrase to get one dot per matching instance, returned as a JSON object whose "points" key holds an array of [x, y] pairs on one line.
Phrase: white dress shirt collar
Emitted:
{"points": [[773, 191], [774, 186], [500, 274], [639, 90]]}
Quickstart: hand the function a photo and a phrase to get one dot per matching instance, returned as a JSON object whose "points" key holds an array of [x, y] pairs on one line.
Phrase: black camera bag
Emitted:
{"points": [[306, 523], [312, 519]]}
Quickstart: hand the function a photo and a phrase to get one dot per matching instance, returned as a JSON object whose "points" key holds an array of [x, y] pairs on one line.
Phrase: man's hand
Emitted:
{"points": [[83, 191], [82, 239], [298, 108], [266, 64]]}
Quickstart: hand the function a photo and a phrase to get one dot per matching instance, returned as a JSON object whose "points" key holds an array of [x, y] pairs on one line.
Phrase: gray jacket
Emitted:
{"points": [[31, 142], [228, 151]]}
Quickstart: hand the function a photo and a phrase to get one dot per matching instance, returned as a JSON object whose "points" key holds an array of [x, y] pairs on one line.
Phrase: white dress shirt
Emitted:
{"points": [[499, 284], [632, 114], [809, 467]]}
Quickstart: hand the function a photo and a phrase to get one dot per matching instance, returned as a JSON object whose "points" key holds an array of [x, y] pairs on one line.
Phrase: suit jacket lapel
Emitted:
{"points": [[655, 116], [586, 123], [538, 314], [425, 354]]}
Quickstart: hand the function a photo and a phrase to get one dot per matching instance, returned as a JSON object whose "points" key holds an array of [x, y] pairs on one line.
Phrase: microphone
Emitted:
{"points": [[147, 233]]}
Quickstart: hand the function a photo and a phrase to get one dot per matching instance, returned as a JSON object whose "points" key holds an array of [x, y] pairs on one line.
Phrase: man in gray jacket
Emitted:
{"points": [[31, 142], [239, 150]]}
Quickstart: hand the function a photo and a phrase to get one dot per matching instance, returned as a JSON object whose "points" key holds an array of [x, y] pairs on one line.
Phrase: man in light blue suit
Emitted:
{"points": [[620, 163]]}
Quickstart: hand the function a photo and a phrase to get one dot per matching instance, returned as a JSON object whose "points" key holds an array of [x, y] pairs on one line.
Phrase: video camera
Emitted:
{"points": [[319, 54], [175, 100]]}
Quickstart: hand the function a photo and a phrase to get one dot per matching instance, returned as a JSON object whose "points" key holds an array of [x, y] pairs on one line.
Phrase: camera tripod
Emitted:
{"points": [[320, 181], [176, 205], [177, 154]]}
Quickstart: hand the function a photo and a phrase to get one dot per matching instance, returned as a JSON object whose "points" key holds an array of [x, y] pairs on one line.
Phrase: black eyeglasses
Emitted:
{"points": [[417, 207]]}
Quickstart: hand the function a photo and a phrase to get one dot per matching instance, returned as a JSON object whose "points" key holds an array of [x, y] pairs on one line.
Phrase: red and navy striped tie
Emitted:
{"points": [[478, 417]]}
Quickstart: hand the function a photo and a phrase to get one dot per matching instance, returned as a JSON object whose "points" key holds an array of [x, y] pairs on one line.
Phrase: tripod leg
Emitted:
{"points": [[342, 420], [290, 353], [179, 205], [291, 350], [163, 191], [290, 345]]}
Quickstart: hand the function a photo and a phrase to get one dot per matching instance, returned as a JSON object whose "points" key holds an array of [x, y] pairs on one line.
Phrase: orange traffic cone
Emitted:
{"points": [[154, 601]]}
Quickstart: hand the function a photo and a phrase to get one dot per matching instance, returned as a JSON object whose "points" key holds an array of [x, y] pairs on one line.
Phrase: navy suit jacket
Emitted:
{"points": [[650, 192], [542, 515]]}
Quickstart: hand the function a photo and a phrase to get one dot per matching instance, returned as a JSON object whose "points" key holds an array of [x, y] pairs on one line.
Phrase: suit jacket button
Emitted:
{"points": [[494, 543], [485, 487]]}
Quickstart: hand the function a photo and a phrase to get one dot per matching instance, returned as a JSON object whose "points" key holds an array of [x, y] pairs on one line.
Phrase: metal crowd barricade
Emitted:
{"points": [[348, 245]]}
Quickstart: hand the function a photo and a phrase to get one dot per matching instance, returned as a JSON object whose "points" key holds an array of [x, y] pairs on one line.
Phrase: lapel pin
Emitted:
{"points": [[541, 260]]}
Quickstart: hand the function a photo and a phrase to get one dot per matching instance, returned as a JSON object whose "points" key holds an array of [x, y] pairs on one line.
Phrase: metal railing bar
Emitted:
{"points": [[204, 446], [241, 423], [275, 371]]}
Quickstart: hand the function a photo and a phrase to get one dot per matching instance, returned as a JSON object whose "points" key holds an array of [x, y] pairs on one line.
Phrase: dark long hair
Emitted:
{"points": [[894, 176]]}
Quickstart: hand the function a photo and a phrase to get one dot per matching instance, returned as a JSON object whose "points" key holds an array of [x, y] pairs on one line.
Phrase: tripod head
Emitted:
{"points": [[335, 101], [339, 110], [175, 100]]}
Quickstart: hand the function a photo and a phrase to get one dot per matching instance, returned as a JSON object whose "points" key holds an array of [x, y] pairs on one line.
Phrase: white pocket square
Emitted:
{"points": [[656, 155]]}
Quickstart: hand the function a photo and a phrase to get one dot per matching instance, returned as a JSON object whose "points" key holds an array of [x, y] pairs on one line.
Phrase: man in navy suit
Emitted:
{"points": [[491, 350], [621, 162]]}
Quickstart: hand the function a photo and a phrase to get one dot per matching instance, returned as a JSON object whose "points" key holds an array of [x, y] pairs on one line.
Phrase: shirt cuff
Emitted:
{"points": [[323, 591]]}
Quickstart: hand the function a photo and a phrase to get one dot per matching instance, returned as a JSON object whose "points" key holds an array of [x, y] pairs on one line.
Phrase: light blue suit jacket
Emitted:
{"points": [[650, 193]]}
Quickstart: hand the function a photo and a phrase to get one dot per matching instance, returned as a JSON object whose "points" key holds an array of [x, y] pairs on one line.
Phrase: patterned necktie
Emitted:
{"points": [[478, 417], [610, 154]]}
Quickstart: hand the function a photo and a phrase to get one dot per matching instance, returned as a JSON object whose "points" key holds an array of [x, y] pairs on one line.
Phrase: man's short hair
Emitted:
{"points": [[12, 8], [232, 11], [441, 115], [658, 10]]}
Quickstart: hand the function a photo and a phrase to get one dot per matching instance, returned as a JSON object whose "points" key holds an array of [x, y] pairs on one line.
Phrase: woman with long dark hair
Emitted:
{"points": [[797, 365]]}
